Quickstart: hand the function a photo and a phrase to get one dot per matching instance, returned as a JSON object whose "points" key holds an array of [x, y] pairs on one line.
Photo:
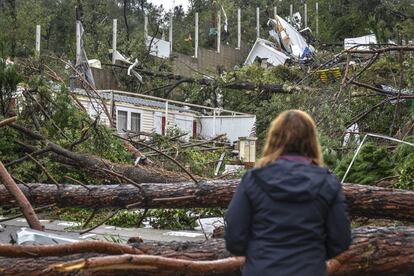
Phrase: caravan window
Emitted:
{"points": [[135, 122], [122, 120]]}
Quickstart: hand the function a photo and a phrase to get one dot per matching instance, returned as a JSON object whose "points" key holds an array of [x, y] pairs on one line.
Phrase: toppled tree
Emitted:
{"points": [[365, 201], [374, 251]]}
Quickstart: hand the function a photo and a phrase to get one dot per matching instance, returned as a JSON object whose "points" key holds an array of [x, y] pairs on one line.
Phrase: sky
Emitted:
{"points": [[168, 4]]}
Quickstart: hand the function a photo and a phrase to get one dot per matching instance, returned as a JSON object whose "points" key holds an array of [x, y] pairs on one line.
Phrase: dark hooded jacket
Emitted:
{"points": [[287, 218]]}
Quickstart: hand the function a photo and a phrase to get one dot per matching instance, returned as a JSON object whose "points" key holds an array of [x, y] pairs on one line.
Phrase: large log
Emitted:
{"points": [[16, 264], [100, 166], [379, 251], [374, 251], [365, 201]]}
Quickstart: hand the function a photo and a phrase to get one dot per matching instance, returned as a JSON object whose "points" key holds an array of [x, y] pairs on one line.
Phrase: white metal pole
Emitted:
{"points": [[38, 40], [170, 33], [353, 158], [145, 27], [166, 117], [114, 34], [214, 122], [218, 31], [275, 12], [78, 41], [196, 36], [238, 28], [317, 19], [291, 14], [306, 15], [257, 22]]}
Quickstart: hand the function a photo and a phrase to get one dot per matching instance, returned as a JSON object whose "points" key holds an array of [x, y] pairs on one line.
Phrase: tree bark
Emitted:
{"points": [[364, 201], [375, 251], [378, 251], [21, 200]]}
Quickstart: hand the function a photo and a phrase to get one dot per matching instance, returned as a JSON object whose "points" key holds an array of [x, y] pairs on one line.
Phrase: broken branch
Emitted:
{"points": [[17, 195], [8, 121]]}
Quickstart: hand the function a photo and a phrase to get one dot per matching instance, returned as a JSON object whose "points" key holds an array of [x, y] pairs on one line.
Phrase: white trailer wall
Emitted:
{"points": [[233, 126], [180, 121], [185, 123]]}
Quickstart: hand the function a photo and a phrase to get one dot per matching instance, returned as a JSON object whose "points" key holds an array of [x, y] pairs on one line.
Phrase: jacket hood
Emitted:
{"points": [[290, 180]]}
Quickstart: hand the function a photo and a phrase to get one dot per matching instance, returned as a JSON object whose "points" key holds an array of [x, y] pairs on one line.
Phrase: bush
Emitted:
{"points": [[406, 174]]}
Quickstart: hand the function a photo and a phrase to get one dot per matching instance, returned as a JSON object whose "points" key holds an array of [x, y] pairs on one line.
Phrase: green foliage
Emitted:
{"points": [[406, 173], [404, 157], [403, 150], [372, 163], [175, 219], [126, 218], [260, 75], [331, 157], [179, 219], [115, 239], [202, 162], [70, 214], [9, 78], [63, 124]]}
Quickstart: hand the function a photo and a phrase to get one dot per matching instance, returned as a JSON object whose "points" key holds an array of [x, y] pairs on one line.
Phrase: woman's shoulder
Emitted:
{"points": [[331, 187], [248, 179]]}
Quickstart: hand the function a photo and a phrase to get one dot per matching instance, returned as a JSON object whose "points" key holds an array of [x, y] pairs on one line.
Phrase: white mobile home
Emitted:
{"points": [[134, 112]]}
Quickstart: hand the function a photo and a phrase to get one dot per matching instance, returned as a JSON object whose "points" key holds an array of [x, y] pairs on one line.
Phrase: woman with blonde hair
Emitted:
{"points": [[288, 215]]}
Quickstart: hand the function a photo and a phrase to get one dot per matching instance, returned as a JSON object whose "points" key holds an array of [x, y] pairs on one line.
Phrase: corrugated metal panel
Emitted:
{"points": [[136, 101]]}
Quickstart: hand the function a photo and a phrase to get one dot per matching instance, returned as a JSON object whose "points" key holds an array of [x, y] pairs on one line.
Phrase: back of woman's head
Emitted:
{"points": [[292, 132]]}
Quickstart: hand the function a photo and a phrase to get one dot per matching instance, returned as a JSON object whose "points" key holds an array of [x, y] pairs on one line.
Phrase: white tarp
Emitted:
{"points": [[34, 237], [352, 131], [354, 41], [263, 48], [82, 64], [159, 47], [291, 39], [118, 56]]}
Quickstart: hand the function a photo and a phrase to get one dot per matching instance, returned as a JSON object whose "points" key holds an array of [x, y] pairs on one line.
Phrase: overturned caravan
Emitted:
{"points": [[289, 39], [287, 44]]}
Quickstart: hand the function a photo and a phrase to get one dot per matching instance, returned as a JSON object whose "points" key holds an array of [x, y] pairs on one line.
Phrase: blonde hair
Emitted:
{"points": [[293, 131]]}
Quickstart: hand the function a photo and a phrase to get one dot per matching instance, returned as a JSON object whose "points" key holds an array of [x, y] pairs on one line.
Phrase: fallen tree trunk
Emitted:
{"points": [[17, 251], [365, 201], [25, 260], [378, 251], [239, 85], [99, 166], [375, 251]]}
